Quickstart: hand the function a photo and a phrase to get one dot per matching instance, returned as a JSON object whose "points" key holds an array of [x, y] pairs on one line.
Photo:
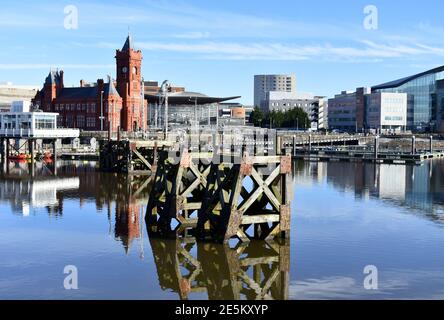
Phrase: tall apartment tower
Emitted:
{"points": [[271, 82]]}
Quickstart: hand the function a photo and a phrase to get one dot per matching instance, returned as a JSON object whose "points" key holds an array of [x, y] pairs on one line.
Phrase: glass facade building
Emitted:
{"points": [[422, 89]]}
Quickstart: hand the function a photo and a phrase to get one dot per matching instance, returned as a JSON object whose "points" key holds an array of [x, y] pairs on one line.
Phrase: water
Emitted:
{"points": [[345, 216]]}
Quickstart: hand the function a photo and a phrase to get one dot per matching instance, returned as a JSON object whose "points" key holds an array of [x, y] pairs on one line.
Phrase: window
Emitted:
{"points": [[69, 121], [91, 107], [44, 122], [78, 106], [80, 121], [91, 122], [62, 106]]}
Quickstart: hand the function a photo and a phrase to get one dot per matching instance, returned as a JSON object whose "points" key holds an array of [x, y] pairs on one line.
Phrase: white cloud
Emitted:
{"points": [[192, 35], [279, 51], [29, 66]]}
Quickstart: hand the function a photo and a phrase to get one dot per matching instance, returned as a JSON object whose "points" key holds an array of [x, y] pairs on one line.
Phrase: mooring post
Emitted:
{"points": [[31, 152], [31, 149], [376, 148], [309, 143], [278, 145], [54, 149], [2, 149], [431, 144], [413, 145], [7, 148]]}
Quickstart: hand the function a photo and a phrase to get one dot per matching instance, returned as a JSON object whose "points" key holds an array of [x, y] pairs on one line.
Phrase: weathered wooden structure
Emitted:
{"points": [[222, 200], [132, 157], [178, 188]]}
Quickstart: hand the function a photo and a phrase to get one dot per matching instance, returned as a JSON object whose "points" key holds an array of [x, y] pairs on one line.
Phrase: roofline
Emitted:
{"points": [[190, 99], [400, 82]]}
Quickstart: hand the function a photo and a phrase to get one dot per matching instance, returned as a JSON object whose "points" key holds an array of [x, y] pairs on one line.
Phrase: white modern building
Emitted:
{"points": [[21, 122], [266, 83], [386, 111]]}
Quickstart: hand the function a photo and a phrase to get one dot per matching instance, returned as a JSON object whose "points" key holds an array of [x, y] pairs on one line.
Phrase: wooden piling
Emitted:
{"points": [[230, 208]]}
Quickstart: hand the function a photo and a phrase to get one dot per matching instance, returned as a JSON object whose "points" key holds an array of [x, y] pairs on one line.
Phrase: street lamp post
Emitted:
{"points": [[164, 89], [101, 110], [142, 98]]}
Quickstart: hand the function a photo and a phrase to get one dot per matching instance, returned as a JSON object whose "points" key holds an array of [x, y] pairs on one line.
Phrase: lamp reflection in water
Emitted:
{"points": [[255, 271]]}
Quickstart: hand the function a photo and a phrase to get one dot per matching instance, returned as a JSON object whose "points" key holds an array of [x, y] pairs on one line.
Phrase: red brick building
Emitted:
{"points": [[81, 107]]}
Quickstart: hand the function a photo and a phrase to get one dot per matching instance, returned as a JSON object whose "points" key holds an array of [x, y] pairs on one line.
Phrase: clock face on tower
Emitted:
{"points": [[124, 69]]}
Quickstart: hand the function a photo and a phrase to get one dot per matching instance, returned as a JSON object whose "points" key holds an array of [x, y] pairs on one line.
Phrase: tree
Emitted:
{"points": [[257, 117], [292, 118]]}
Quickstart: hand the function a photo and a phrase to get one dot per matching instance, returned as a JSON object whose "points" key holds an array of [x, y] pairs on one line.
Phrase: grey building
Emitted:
{"points": [[266, 83], [315, 106]]}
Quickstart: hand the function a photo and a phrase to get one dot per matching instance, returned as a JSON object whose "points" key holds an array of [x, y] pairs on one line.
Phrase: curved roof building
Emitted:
{"points": [[423, 97], [189, 98]]}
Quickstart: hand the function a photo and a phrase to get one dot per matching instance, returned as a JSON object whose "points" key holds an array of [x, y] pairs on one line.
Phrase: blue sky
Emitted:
{"points": [[216, 47]]}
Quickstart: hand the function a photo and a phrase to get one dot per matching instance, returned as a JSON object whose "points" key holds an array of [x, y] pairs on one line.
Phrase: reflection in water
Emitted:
{"points": [[50, 185], [191, 269], [255, 271], [413, 187]]}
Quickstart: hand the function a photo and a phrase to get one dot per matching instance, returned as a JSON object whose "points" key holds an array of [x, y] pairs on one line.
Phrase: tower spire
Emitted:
{"points": [[129, 42]]}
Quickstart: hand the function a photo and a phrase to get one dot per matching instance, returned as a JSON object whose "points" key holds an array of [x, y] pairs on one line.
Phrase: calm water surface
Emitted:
{"points": [[345, 216]]}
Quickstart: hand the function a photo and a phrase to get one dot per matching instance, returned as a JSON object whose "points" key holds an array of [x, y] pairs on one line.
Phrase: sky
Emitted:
{"points": [[216, 47]]}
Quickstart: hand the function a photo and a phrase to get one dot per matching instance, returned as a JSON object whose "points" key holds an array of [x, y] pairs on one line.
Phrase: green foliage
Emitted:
{"points": [[257, 117], [294, 118]]}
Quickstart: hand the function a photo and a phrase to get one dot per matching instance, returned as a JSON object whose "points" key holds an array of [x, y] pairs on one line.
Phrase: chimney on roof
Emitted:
{"points": [[82, 83], [61, 74]]}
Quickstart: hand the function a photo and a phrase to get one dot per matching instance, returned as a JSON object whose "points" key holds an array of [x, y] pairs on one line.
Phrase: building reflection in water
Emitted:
{"points": [[50, 185], [414, 187], [255, 271]]}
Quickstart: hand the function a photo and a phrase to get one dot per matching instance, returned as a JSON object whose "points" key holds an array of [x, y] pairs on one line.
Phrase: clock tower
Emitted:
{"points": [[129, 86]]}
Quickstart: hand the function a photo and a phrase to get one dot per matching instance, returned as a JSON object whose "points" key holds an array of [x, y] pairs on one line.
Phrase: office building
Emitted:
{"points": [[386, 111], [422, 90], [346, 110], [266, 83], [440, 105], [362, 110]]}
